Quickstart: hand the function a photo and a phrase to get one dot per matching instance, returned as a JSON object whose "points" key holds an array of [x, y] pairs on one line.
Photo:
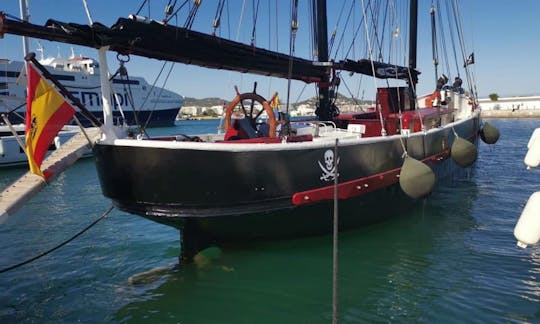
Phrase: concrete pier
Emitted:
{"points": [[525, 113], [27, 186]]}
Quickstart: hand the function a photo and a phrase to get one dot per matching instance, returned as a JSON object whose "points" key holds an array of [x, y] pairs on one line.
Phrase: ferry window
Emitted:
{"points": [[144, 88]]}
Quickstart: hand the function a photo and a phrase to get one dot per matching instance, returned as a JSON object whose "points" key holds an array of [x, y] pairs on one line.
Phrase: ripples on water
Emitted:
{"points": [[452, 258]]}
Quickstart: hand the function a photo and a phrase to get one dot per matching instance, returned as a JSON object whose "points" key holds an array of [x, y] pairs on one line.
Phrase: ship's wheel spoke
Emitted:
{"points": [[256, 106]]}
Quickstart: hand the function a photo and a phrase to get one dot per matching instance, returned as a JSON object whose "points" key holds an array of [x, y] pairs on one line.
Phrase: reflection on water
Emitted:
{"points": [[385, 271]]}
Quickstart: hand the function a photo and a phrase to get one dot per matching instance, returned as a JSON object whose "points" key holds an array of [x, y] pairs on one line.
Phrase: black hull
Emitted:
{"points": [[226, 195]]}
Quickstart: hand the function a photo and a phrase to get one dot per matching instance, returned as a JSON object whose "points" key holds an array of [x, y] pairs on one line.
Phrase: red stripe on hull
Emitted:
{"points": [[360, 186]]}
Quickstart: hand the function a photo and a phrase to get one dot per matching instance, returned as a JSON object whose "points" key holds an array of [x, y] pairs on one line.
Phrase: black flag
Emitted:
{"points": [[469, 60]]}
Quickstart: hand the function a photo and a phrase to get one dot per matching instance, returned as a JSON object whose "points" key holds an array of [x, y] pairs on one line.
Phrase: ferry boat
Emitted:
{"points": [[135, 101]]}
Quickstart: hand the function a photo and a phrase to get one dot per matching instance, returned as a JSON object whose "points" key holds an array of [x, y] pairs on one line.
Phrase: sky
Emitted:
{"points": [[502, 33]]}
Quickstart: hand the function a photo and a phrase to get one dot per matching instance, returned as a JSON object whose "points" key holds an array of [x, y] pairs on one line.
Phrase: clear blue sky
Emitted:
{"points": [[502, 33]]}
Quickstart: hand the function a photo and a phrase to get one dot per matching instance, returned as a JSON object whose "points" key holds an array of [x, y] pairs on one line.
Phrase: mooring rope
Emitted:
{"points": [[60, 245]]}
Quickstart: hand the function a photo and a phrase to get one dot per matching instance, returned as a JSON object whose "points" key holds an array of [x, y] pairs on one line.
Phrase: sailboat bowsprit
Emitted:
{"points": [[273, 177]]}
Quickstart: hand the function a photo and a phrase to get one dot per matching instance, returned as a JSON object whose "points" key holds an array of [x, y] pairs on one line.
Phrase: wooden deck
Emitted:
{"points": [[27, 186]]}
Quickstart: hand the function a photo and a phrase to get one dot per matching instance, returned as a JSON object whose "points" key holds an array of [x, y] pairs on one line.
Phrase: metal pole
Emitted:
{"points": [[335, 241]]}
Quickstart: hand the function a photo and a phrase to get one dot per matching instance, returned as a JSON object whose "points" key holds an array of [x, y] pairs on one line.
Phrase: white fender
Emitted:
{"points": [[527, 230], [534, 136], [532, 159]]}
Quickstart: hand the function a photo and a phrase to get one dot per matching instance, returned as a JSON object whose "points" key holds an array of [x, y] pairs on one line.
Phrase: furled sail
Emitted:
{"points": [[164, 42], [378, 69]]}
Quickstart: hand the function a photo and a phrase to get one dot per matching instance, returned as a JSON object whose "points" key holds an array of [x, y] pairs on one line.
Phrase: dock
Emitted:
{"points": [[28, 185], [517, 113]]}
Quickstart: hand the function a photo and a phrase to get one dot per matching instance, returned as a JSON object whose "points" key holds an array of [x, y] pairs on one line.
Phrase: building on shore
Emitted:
{"points": [[511, 103], [511, 107]]}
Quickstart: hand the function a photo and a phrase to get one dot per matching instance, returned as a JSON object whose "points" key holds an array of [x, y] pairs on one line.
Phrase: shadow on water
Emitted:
{"points": [[391, 270]]}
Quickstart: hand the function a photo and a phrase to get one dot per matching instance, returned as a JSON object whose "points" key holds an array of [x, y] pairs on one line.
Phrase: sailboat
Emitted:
{"points": [[273, 177]]}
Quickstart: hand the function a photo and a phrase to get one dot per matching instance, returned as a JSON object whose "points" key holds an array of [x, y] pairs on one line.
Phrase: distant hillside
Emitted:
{"points": [[341, 100], [209, 102], [205, 102]]}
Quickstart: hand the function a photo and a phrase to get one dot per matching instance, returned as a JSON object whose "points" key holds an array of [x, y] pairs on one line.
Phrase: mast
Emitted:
{"points": [[23, 6], [413, 35], [323, 110]]}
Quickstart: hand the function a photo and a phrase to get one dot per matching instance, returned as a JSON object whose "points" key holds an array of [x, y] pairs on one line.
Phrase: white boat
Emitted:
{"points": [[135, 102], [11, 152]]}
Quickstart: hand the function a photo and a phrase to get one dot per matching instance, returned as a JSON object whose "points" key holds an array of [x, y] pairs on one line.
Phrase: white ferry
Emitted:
{"points": [[136, 102]]}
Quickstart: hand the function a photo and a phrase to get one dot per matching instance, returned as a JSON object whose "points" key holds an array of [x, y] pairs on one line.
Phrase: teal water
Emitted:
{"points": [[452, 258]]}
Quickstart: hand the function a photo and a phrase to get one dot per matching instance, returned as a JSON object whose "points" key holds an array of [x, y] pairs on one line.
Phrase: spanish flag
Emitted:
{"points": [[47, 111], [275, 101]]}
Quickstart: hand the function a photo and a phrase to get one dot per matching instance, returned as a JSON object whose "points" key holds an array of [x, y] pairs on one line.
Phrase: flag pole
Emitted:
{"points": [[83, 131], [31, 57]]}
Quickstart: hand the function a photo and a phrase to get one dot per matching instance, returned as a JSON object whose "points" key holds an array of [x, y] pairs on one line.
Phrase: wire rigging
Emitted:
{"points": [[217, 18], [255, 14]]}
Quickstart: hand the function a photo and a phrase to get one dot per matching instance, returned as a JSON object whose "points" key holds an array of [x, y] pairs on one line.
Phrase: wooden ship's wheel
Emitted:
{"points": [[250, 106]]}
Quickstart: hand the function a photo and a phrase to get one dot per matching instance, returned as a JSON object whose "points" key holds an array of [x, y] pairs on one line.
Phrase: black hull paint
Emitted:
{"points": [[224, 196]]}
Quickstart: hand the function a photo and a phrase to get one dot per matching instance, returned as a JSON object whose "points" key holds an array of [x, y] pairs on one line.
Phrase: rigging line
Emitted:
{"points": [[88, 12], [294, 28], [175, 13], [434, 51], [228, 21], [192, 13], [301, 92], [382, 32], [459, 27], [159, 96], [351, 11], [443, 40], [141, 7], [277, 27], [61, 244], [375, 23], [461, 38], [333, 37], [452, 37], [240, 20], [217, 18], [255, 14], [350, 92], [378, 106], [169, 9], [362, 20], [129, 95]]}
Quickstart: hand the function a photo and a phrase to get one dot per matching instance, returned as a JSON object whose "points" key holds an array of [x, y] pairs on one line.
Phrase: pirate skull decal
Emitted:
{"points": [[328, 166]]}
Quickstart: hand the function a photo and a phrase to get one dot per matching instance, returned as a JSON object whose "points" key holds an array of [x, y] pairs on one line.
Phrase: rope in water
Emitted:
{"points": [[60, 245]]}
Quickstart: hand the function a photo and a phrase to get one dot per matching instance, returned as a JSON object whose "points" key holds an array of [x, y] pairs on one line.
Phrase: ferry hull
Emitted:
{"points": [[156, 118]]}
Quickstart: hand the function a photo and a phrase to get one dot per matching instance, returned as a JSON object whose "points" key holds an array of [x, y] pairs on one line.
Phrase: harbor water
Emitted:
{"points": [[451, 258]]}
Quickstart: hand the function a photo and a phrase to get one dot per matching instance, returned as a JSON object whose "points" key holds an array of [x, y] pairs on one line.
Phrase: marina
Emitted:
{"points": [[451, 258], [398, 207]]}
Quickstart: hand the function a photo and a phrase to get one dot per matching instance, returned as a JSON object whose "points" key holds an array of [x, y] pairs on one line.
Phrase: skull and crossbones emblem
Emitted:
{"points": [[328, 166]]}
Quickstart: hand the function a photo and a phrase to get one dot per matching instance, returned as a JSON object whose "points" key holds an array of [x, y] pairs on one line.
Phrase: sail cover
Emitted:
{"points": [[171, 43], [378, 69]]}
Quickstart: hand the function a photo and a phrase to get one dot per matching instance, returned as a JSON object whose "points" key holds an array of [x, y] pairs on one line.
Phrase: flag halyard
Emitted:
{"points": [[46, 113]]}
